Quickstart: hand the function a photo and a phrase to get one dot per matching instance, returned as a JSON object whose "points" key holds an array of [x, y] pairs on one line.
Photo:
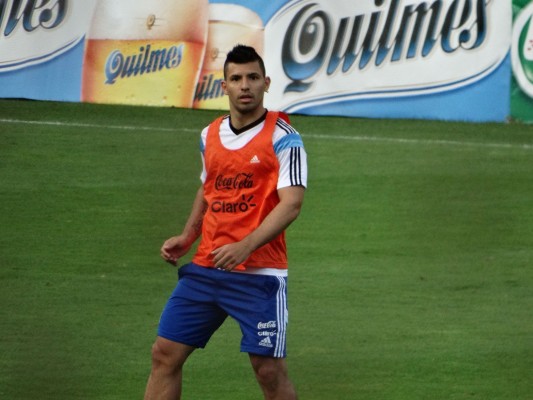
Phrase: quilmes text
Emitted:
{"points": [[209, 88], [317, 41], [148, 60], [31, 14]]}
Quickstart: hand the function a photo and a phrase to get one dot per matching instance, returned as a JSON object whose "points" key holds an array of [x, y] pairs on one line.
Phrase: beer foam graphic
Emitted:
{"points": [[229, 25], [133, 20]]}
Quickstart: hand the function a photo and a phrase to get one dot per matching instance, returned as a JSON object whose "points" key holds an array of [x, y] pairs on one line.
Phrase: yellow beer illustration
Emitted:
{"points": [[229, 24], [147, 53]]}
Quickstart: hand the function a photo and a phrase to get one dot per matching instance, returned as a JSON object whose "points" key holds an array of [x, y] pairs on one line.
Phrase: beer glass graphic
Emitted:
{"points": [[145, 52], [229, 25]]}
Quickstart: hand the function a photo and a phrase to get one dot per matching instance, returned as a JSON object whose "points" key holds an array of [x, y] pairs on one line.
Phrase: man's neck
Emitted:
{"points": [[238, 131], [240, 120]]}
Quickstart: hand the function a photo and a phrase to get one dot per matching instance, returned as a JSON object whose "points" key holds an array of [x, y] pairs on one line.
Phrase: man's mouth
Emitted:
{"points": [[246, 97]]}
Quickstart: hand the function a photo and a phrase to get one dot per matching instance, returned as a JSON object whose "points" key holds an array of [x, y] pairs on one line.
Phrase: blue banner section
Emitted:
{"points": [[58, 79], [482, 101]]}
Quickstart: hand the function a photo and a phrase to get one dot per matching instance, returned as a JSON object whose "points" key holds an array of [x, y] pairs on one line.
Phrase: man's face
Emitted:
{"points": [[245, 86]]}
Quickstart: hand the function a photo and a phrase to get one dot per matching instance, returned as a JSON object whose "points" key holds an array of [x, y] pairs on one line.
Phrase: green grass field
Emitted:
{"points": [[411, 263]]}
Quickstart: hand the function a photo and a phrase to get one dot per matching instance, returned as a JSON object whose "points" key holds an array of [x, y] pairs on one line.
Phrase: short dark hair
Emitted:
{"points": [[242, 54]]}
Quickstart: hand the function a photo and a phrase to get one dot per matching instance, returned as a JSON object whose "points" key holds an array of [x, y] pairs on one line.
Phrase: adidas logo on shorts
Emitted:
{"points": [[266, 342]]}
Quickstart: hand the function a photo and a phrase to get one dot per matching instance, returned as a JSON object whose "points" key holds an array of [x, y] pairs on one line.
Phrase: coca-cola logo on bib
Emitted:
{"points": [[240, 181]]}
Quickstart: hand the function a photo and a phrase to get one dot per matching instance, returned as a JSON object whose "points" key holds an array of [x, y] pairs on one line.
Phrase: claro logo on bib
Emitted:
{"points": [[242, 205]]}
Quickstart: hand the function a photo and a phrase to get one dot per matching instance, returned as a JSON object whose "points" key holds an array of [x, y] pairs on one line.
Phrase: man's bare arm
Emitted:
{"points": [[231, 255], [178, 246]]}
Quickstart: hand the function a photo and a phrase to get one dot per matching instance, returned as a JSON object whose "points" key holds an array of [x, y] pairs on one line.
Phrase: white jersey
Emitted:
{"points": [[287, 143]]}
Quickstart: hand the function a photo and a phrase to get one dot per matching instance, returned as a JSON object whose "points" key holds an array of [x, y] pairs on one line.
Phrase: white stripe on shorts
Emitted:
{"points": [[282, 317]]}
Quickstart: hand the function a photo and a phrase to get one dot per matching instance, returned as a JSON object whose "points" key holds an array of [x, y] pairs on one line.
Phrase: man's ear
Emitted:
{"points": [[267, 83], [224, 87]]}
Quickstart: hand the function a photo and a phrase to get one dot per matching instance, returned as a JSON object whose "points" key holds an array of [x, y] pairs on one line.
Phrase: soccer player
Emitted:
{"points": [[253, 183]]}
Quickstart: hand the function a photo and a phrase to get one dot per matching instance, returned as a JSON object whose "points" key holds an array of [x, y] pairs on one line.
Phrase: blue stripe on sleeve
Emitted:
{"points": [[288, 141], [202, 146]]}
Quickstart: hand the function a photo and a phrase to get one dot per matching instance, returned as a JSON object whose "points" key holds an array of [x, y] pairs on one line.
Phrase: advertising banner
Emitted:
{"points": [[435, 59], [522, 61], [41, 48], [405, 59]]}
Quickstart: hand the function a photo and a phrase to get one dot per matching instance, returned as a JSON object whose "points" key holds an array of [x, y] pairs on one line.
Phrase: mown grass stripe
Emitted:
{"points": [[523, 146]]}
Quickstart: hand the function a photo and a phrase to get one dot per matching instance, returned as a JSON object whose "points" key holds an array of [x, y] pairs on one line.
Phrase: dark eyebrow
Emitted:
{"points": [[250, 75]]}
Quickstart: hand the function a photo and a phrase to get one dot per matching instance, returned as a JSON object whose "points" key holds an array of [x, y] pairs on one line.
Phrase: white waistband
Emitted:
{"points": [[263, 271]]}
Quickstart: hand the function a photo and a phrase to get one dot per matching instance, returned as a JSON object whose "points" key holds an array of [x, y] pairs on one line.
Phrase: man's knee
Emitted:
{"points": [[272, 376], [269, 371], [267, 375], [169, 355]]}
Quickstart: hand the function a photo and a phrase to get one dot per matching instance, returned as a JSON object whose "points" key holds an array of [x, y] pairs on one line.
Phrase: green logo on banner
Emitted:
{"points": [[522, 52]]}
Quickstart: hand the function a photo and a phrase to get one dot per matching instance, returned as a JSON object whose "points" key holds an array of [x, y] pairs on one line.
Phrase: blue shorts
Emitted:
{"points": [[204, 297]]}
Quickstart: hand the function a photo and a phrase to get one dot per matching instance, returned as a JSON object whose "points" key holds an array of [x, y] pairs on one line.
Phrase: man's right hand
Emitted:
{"points": [[174, 248]]}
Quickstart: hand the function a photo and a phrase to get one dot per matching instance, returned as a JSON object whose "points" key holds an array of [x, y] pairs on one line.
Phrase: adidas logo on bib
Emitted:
{"points": [[255, 160], [266, 342]]}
